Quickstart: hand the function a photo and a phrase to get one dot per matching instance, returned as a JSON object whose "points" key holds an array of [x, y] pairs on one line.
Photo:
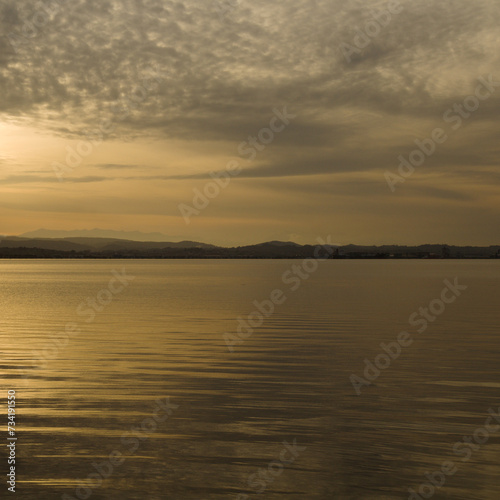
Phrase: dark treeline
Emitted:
{"points": [[263, 251]]}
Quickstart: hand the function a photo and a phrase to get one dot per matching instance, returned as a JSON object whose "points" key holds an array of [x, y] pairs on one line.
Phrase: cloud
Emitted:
{"points": [[222, 76], [50, 179], [115, 166], [188, 85]]}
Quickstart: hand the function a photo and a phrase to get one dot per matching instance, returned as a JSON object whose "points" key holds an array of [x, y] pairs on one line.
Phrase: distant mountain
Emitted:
{"points": [[97, 248], [59, 245], [119, 245], [96, 233], [81, 244], [280, 244], [114, 248]]}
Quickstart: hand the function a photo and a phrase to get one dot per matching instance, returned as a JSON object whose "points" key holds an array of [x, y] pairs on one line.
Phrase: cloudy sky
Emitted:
{"points": [[114, 113]]}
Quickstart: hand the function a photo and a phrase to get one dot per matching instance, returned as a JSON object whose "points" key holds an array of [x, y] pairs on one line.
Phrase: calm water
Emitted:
{"points": [[162, 336]]}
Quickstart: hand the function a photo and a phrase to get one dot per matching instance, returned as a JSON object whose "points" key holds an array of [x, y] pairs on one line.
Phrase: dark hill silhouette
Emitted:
{"points": [[82, 247], [95, 233]]}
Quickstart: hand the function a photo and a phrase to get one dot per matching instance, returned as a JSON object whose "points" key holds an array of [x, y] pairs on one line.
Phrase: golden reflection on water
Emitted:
{"points": [[163, 336]]}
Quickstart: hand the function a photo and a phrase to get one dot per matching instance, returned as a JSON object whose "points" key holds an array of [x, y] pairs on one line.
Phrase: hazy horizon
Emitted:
{"points": [[97, 233]]}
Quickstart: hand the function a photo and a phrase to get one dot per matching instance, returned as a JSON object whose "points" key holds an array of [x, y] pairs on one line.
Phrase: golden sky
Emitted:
{"points": [[113, 113]]}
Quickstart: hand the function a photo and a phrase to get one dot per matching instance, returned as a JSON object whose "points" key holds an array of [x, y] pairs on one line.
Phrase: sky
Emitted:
{"points": [[236, 122]]}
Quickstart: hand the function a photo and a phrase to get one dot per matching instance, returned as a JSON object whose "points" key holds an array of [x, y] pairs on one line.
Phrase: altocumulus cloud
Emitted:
{"points": [[221, 79]]}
